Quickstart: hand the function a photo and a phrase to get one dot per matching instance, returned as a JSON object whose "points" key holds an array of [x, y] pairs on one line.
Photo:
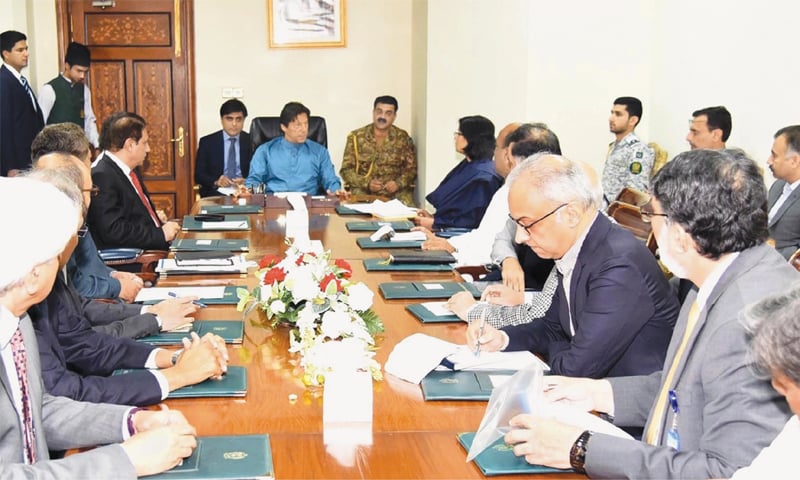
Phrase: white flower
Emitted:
{"points": [[277, 306], [306, 317], [360, 296], [266, 292], [335, 324], [302, 285]]}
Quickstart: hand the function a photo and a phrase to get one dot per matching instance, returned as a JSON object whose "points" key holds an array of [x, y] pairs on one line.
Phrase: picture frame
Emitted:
{"points": [[306, 23]]}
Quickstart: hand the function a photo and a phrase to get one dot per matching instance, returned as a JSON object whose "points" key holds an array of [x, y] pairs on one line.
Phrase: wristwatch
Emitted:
{"points": [[577, 454]]}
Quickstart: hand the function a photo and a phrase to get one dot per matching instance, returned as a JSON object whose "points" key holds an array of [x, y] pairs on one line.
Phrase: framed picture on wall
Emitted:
{"points": [[306, 23]]}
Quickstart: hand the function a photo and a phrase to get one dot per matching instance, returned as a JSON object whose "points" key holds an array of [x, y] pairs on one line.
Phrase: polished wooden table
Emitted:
{"points": [[408, 437]]}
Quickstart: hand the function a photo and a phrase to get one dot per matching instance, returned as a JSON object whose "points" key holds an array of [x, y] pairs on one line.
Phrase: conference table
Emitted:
{"points": [[408, 437]]}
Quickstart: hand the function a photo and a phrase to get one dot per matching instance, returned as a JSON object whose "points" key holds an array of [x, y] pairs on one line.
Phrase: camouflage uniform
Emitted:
{"points": [[395, 160], [629, 164]]}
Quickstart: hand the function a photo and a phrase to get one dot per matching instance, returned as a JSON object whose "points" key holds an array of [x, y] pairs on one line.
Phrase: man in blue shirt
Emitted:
{"points": [[293, 163]]}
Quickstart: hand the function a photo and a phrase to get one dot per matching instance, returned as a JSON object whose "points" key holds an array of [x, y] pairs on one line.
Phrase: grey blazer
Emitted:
{"points": [[60, 424], [727, 414], [785, 225]]}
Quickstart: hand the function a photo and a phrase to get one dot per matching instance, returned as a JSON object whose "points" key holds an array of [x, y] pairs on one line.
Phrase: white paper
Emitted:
{"points": [[203, 242], [163, 293], [287, 194], [437, 308], [297, 201], [229, 191], [297, 224], [391, 209], [433, 286], [408, 237], [347, 397], [239, 265], [464, 359], [416, 355], [224, 225]]}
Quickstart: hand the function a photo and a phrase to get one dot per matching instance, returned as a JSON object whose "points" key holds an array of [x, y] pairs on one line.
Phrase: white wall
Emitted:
{"points": [[336, 83], [37, 20]]}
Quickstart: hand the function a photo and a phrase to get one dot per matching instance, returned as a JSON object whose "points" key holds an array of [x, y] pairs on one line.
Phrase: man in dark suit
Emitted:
{"points": [[784, 196], [223, 157], [122, 215], [613, 310], [32, 420], [707, 412], [20, 116]]}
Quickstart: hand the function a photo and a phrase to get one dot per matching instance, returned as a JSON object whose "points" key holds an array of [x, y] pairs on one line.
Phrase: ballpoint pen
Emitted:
{"points": [[480, 333], [199, 304]]}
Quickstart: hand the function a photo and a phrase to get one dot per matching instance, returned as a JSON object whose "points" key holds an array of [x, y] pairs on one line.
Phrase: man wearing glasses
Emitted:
{"points": [[613, 310]]}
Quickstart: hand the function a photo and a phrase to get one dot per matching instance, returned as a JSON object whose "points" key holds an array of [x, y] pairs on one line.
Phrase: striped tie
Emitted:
{"points": [[28, 90], [21, 364]]}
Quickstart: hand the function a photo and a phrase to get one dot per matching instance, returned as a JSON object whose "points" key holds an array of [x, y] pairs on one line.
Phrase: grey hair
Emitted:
{"points": [[774, 324], [66, 178], [562, 181]]}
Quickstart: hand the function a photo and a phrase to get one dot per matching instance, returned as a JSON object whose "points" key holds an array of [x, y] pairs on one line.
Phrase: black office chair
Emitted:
{"points": [[264, 129]]}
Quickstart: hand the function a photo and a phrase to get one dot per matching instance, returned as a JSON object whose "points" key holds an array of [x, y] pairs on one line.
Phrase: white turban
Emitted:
{"points": [[37, 221]]}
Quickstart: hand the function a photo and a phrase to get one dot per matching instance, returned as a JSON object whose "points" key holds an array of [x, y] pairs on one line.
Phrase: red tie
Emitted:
{"points": [[138, 186], [21, 364]]}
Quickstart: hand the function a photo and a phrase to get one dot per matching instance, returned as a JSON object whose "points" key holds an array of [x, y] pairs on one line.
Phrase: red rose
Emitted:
{"points": [[327, 279], [274, 275], [268, 261], [347, 270]]}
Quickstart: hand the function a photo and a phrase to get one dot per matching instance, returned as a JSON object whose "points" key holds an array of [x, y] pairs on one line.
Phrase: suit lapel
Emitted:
{"points": [[793, 197]]}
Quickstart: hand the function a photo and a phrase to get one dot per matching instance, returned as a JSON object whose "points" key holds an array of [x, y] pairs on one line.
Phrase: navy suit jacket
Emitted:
{"points": [[117, 217], [784, 227], [77, 361], [19, 123], [210, 160], [622, 307]]}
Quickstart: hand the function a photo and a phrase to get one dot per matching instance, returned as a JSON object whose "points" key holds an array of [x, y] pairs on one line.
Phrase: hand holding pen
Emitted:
{"points": [[482, 336], [194, 300]]}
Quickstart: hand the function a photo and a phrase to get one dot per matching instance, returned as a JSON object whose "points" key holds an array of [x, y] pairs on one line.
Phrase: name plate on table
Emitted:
{"points": [[209, 245], [231, 331], [191, 223], [462, 385], [367, 226], [232, 384], [229, 209], [367, 243], [432, 312], [499, 459], [402, 290], [383, 265], [224, 457]]}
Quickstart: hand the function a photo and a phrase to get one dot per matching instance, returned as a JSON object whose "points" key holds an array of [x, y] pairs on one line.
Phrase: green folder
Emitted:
{"points": [[228, 209], [382, 265], [460, 385], [231, 331], [209, 245], [189, 224], [229, 297], [499, 459], [365, 242], [232, 384], [425, 316], [367, 226], [344, 210], [403, 290], [223, 457]]}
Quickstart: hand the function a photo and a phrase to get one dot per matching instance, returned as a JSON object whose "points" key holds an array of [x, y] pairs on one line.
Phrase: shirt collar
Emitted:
{"points": [[227, 137], [789, 187], [8, 325], [713, 278], [628, 139], [125, 168], [566, 264], [67, 79]]}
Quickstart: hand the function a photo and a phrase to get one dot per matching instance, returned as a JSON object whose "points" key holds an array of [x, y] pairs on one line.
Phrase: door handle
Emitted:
{"points": [[179, 141]]}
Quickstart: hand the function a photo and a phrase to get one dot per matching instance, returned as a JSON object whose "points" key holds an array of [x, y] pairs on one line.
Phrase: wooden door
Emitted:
{"points": [[142, 62]]}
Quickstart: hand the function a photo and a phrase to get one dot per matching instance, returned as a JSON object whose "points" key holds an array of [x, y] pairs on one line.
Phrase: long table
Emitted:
{"points": [[409, 437]]}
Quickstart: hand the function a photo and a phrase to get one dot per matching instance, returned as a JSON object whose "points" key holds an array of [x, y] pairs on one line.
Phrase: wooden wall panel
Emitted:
{"points": [[152, 91], [164, 201], [117, 30], [107, 81]]}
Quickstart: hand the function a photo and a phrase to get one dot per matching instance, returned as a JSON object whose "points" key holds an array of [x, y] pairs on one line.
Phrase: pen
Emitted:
{"points": [[199, 304], [480, 333]]}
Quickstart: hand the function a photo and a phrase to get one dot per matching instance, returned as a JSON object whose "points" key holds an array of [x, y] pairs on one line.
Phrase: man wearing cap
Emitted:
{"points": [[136, 442], [66, 98]]}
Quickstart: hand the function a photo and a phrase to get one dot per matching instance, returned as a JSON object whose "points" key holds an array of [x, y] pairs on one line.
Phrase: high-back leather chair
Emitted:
{"points": [[264, 129]]}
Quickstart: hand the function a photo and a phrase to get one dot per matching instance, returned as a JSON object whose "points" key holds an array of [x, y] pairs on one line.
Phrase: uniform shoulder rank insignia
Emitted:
{"points": [[636, 168]]}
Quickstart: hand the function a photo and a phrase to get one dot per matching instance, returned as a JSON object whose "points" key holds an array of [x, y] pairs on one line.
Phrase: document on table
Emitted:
{"points": [[297, 224], [163, 293]]}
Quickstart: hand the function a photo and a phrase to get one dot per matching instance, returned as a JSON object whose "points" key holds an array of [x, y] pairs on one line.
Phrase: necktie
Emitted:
{"points": [[653, 432], [21, 365], [28, 90], [139, 190], [230, 163]]}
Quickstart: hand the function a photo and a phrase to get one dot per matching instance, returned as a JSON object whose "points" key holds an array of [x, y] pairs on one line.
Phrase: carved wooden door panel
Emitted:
{"points": [[142, 62]]}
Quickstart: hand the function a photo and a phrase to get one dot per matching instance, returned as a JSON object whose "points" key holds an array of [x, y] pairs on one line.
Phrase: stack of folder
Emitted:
{"points": [[209, 245], [407, 290]]}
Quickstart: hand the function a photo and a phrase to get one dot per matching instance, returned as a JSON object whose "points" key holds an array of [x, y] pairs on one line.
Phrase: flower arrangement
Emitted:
{"points": [[332, 319]]}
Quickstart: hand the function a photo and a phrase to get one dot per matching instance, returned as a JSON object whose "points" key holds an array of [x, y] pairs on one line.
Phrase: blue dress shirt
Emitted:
{"points": [[293, 167], [87, 272]]}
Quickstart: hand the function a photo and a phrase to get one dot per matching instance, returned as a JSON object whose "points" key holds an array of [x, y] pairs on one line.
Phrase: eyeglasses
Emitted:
{"points": [[530, 225], [94, 191], [83, 231], [647, 214]]}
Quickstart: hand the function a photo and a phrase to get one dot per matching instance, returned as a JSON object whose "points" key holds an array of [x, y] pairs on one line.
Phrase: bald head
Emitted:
{"points": [[501, 150], [559, 179]]}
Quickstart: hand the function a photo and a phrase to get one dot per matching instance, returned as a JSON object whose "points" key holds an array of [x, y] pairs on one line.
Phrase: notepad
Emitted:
{"points": [[225, 457], [432, 312]]}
